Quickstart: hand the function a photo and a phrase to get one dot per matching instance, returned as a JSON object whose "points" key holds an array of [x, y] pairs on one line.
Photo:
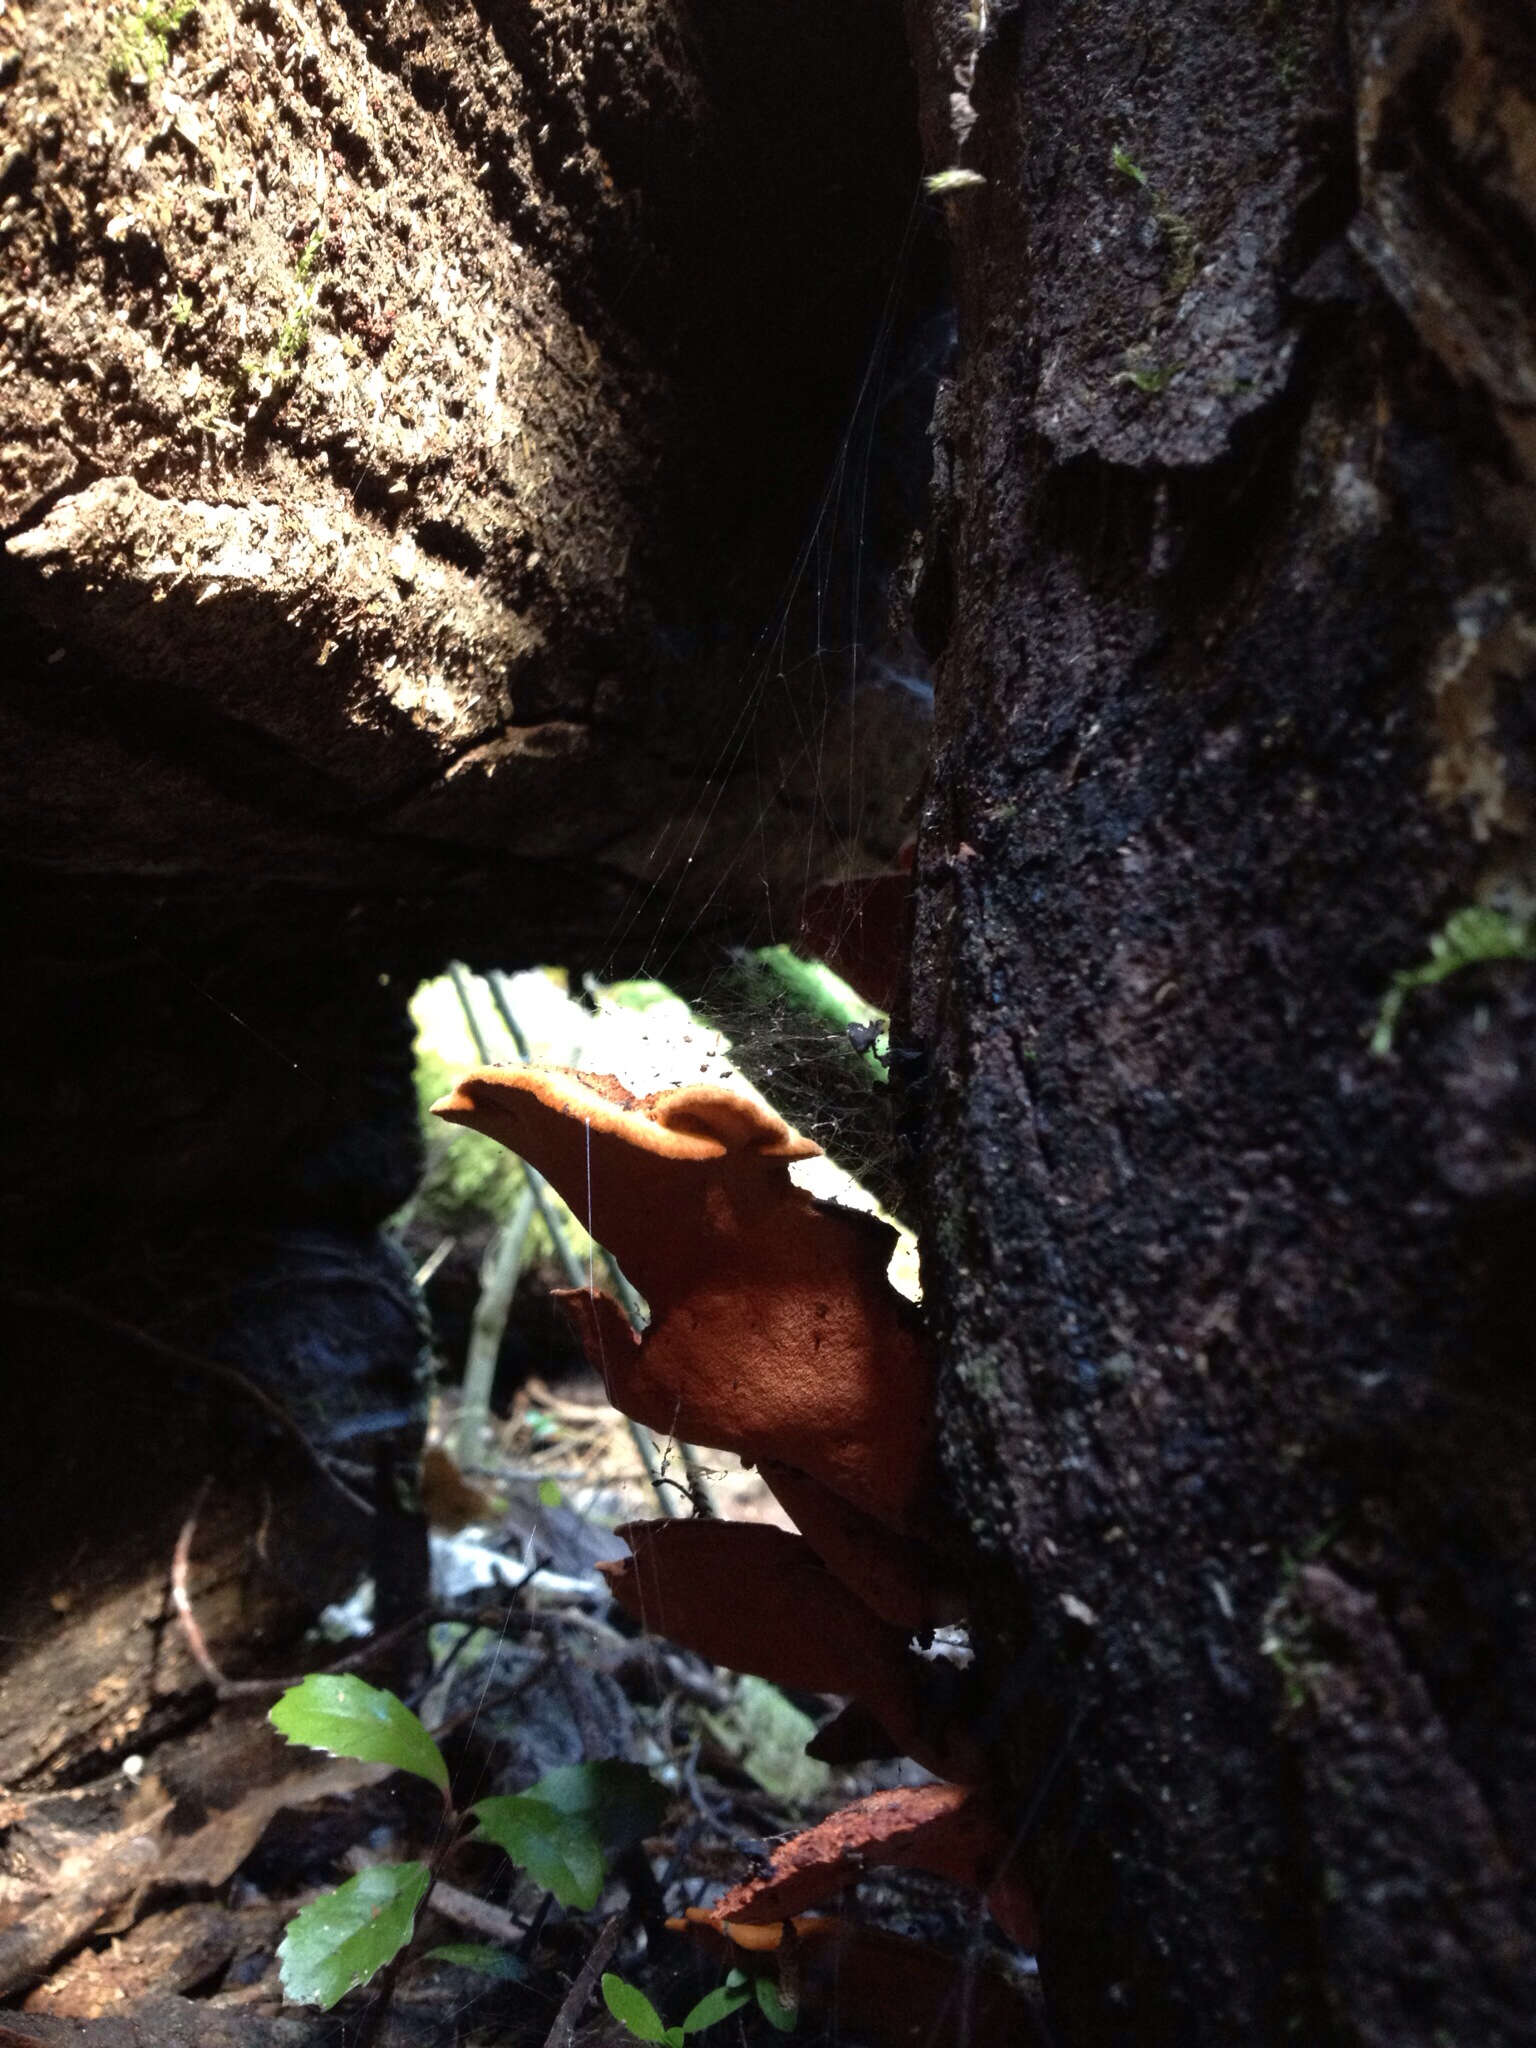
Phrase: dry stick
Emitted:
{"points": [[466, 1909], [432, 1261], [579, 1997]]}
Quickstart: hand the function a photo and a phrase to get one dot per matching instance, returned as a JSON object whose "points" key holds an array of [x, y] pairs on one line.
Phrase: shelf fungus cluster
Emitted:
{"points": [[775, 1334]]}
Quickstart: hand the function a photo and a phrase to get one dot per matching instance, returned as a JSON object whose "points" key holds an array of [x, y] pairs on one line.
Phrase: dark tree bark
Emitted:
{"points": [[1235, 709]]}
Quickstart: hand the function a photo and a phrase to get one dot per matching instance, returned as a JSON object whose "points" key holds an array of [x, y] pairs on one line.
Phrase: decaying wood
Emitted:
{"points": [[366, 437]]}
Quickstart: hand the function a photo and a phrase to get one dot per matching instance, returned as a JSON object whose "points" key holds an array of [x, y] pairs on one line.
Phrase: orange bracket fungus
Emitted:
{"points": [[943, 1828], [900, 1577], [774, 1332], [758, 1599]]}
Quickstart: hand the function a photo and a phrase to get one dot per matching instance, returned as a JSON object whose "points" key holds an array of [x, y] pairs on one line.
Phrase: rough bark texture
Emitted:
{"points": [[410, 414], [1234, 709]]}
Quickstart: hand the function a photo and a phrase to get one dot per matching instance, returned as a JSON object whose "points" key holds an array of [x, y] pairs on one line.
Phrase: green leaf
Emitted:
{"points": [[337, 1942], [777, 2011], [557, 1850], [631, 2008], [1121, 162], [549, 1494], [348, 1717], [619, 1803], [481, 1956], [1467, 937], [953, 180], [718, 2005]]}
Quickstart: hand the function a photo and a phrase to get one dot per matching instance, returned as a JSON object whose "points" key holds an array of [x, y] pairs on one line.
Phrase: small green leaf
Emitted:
{"points": [[549, 1494], [953, 180], [346, 1716], [718, 2005], [620, 1803], [1148, 377], [1121, 162], [777, 2011], [1467, 937], [479, 1955], [337, 1942], [558, 1851], [631, 2008]]}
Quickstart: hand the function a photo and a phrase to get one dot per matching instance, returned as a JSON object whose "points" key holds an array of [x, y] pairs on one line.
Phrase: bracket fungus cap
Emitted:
{"points": [[774, 1332], [944, 1828], [758, 1599]]}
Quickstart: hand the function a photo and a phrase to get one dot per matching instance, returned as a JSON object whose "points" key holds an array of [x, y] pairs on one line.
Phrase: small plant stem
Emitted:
{"points": [[503, 1269], [373, 2019], [458, 974], [500, 989], [579, 1997]]}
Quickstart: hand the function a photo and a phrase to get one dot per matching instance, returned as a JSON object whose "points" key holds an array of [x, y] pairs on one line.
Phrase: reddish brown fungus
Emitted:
{"points": [[774, 1332], [902, 1578], [943, 1828], [758, 1599]]}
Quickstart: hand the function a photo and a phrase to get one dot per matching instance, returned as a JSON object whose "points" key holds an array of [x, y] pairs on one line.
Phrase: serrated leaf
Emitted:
{"points": [[346, 1716], [337, 1942], [481, 1956], [558, 1850], [631, 2008], [718, 2005], [620, 1803], [777, 2011]]}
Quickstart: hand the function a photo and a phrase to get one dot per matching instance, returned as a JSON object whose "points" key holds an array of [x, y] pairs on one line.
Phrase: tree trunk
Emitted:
{"points": [[1234, 711]]}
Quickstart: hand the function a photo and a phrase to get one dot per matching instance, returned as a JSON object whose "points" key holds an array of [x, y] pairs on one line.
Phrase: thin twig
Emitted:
{"points": [[579, 1997], [197, 1642], [181, 1599], [465, 1909], [458, 974]]}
